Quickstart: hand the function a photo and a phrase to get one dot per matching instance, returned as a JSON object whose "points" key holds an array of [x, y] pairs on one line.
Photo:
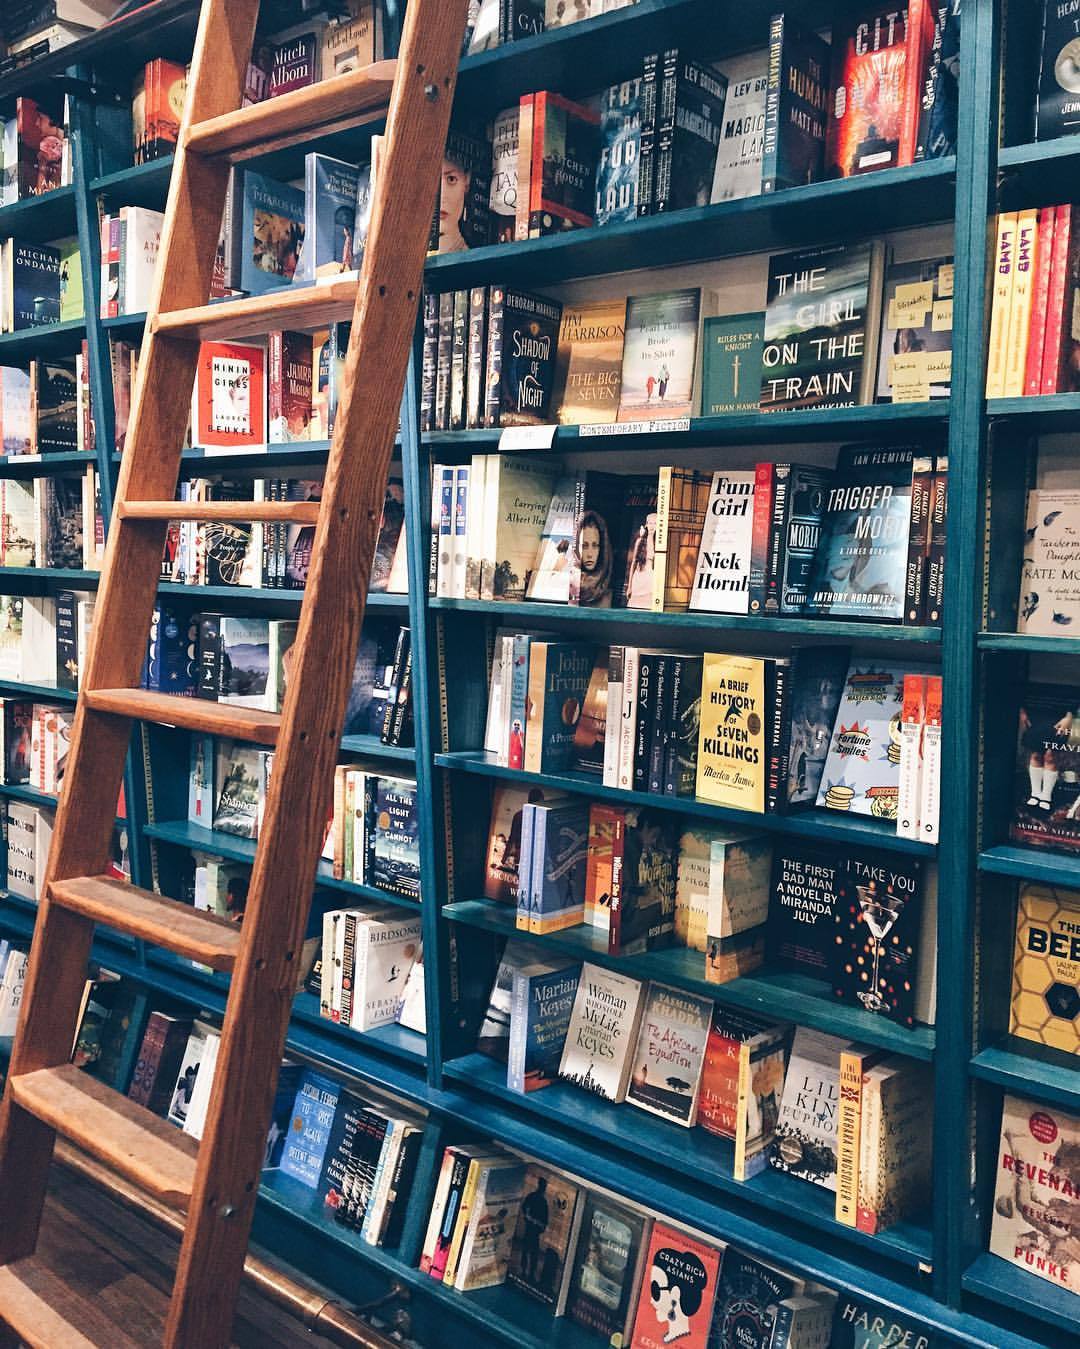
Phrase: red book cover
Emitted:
{"points": [[166, 91], [230, 397], [866, 101], [1055, 304], [762, 532], [296, 63], [618, 861], [1039, 300], [921, 24], [678, 1290], [562, 183], [289, 392], [41, 137], [719, 1099]]}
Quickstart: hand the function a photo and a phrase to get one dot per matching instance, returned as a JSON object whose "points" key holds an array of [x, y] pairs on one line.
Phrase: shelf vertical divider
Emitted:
{"points": [[955, 1216]]}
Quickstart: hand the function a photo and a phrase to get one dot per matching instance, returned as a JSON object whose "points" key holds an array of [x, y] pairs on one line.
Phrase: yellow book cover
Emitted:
{"points": [[1025, 260], [854, 1061], [682, 499], [588, 369], [1046, 968], [731, 737], [999, 316], [461, 1225]]}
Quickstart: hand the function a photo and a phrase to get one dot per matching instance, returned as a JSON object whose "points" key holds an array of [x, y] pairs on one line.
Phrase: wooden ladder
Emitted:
{"points": [[217, 1181]]}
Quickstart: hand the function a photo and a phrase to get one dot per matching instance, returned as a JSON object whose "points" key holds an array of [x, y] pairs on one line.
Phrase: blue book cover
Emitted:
{"points": [[560, 849], [289, 1078], [310, 1123], [396, 862], [271, 237], [35, 285], [171, 658], [330, 190], [541, 1002], [620, 141]]}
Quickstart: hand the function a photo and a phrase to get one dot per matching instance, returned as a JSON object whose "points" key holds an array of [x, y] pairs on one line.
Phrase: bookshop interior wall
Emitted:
{"points": [[694, 956]]}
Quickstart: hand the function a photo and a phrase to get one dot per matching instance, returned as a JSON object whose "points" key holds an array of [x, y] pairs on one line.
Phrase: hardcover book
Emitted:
{"points": [[544, 1236], [395, 860], [660, 355], [611, 1249], [682, 499], [642, 906], [558, 681], [796, 106], [599, 507], [1035, 1202], [722, 578], [731, 364], [860, 567], [330, 193], [747, 1300], [742, 133], [895, 1142], [565, 147], [602, 1034], [504, 174], [1049, 594], [229, 402], [33, 285], [549, 577], [620, 145], [269, 242], [554, 896], [15, 410], [915, 348], [633, 527], [588, 373], [822, 319], [309, 1128], [238, 804], [42, 134], [1046, 799], [504, 838], [877, 927], [798, 513], [54, 402], [677, 1292], [731, 744], [806, 1131], [670, 1053], [1057, 111], [816, 685], [462, 217], [689, 125], [867, 105], [1045, 1004], [513, 511], [522, 341], [741, 1085]]}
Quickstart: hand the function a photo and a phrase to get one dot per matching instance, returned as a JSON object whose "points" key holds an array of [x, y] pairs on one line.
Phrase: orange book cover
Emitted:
{"points": [[166, 89], [230, 397], [678, 1291], [866, 112]]}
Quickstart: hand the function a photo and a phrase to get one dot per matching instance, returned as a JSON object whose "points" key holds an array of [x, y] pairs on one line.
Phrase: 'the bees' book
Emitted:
{"points": [[670, 1053], [1046, 968], [603, 1029], [806, 1132]]}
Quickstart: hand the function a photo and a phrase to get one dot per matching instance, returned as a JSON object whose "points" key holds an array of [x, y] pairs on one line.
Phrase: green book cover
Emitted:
{"points": [[71, 284], [731, 364]]}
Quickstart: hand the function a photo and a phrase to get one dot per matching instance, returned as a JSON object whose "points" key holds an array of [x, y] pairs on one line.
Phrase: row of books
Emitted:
{"points": [[44, 638], [865, 540], [45, 407], [678, 1056], [37, 737], [30, 29], [745, 732], [1033, 345], [499, 356], [491, 23], [130, 242], [272, 556], [643, 879], [684, 134], [366, 970], [43, 522], [35, 156]]}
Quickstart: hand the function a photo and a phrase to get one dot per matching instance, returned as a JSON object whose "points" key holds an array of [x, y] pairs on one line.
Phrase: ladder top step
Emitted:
{"points": [[192, 714], [291, 307], [155, 1155], [288, 512], [331, 105], [163, 922], [31, 1295]]}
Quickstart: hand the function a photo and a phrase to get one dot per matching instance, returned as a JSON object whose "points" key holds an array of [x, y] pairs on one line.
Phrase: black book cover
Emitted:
{"points": [[1058, 107], [54, 399], [746, 1298], [443, 353], [802, 906], [459, 347], [648, 663], [680, 760], [63, 522], [521, 19], [431, 347], [602, 1286], [1046, 789], [777, 693], [876, 934], [861, 1324], [347, 1116], [659, 719], [817, 685], [689, 125], [67, 646], [210, 657], [795, 106], [35, 285], [523, 338], [643, 910], [806, 497]]}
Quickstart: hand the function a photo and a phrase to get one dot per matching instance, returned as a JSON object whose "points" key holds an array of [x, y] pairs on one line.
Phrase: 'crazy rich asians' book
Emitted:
{"points": [[806, 1142], [878, 920], [670, 1053], [588, 373], [270, 240], [722, 580], [860, 568], [602, 1034], [675, 1305], [620, 142], [731, 364], [1037, 1197], [862, 770], [731, 743], [660, 355], [822, 319], [1046, 810], [1046, 968], [742, 133], [523, 336], [915, 349]]}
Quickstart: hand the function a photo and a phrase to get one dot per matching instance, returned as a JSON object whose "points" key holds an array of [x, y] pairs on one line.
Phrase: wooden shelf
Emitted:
{"points": [[255, 315]]}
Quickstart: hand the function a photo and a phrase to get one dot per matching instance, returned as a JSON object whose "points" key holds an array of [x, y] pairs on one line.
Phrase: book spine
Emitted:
{"points": [[461, 1226], [519, 1034], [393, 1221], [344, 1010], [438, 1208], [628, 719], [146, 1068], [612, 735], [379, 1181], [646, 706], [919, 37], [526, 111], [338, 864], [401, 731], [935, 562], [348, 814], [660, 544], [774, 576], [442, 361], [847, 1135], [536, 168], [869, 1157], [930, 787], [430, 361], [519, 694], [1044, 259], [922, 474], [524, 872], [434, 516], [1055, 305], [533, 711], [650, 75], [741, 1168], [451, 1211], [771, 136], [670, 783], [663, 141], [997, 357], [759, 543], [462, 504], [779, 672], [474, 397], [618, 858], [661, 722], [275, 388], [911, 730], [397, 671], [1025, 261], [493, 397], [444, 580], [459, 349]]}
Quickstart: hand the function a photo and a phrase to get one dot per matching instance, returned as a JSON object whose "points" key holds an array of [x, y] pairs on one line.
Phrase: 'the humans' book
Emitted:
{"points": [[659, 355]]}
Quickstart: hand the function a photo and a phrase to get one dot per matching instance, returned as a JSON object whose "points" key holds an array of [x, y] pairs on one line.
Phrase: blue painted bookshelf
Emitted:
{"points": [[933, 1268]]}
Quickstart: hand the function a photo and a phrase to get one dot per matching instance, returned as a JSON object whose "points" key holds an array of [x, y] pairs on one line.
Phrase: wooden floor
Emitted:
{"points": [[108, 1266]]}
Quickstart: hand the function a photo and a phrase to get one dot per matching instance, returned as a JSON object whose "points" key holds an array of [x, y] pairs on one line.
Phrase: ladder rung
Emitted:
{"points": [[151, 1152], [331, 105], [192, 714], [291, 307], [161, 921], [29, 1295], [277, 512]]}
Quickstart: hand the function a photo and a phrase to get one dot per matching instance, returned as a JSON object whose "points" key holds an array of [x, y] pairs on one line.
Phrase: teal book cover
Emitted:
{"points": [[271, 233], [731, 364], [330, 190], [310, 1124]]}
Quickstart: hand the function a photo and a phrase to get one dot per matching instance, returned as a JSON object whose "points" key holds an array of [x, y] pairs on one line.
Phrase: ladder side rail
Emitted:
{"points": [[126, 594], [300, 795]]}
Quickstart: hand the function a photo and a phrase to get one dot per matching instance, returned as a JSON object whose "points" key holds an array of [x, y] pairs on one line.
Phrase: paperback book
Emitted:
{"points": [[722, 579], [1045, 1006], [670, 1053], [588, 374], [676, 1301], [620, 144], [806, 1132], [611, 1249], [731, 364], [876, 933], [737, 172], [915, 349], [544, 1236], [1046, 797], [660, 356], [602, 1034]]}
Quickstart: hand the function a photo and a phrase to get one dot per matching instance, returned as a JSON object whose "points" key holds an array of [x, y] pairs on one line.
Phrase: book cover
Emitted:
{"points": [[309, 1128], [42, 134], [565, 150], [1057, 109], [243, 784], [620, 145], [33, 285], [895, 1143], [1035, 1199], [867, 104], [860, 567], [544, 1236], [1046, 796], [747, 1297], [54, 403], [861, 1324], [229, 405], [541, 1001], [737, 172], [15, 410], [678, 1291], [1045, 1006], [588, 372], [504, 838], [796, 534], [549, 576], [330, 193], [733, 1037], [876, 933], [731, 364], [522, 341], [816, 685], [682, 499], [915, 348], [462, 217], [559, 674], [689, 125], [504, 174], [806, 1131], [270, 240], [385, 950], [802, 913], [395, 863], [731, 744], [296, 63], [659, 355], [602, 1033], [722, 577], [821, 326], [559, 849], [642, 907], [796, 105], [667, 1063], [1049, 595], [738, 883], [485, 1248], [71, 284], [610, 1249], [590, 733], [516, 497]]}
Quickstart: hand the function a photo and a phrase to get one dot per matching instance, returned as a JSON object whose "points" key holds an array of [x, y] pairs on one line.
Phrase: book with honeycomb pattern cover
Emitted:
{"points": [[1046, 968]]}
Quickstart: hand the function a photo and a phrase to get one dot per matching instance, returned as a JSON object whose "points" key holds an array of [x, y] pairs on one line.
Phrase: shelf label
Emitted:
{"points": [[635, 428], [528, 437]]}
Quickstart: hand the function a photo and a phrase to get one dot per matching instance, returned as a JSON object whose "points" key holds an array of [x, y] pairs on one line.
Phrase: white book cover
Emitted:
{"points": [[742, 134], [412, 1010], [14, 410], [806, 1131], [38, 647], [188, 1073], [722, 579], [495, 727], [21, 849], [616, 666], [602, 1034], [464, 498], [442, 509], [550, 577], [485, 1250], [385, 951], [11, 991], [517, 495], [1050, 573], [141, 249], [44, 822], [195, 1117], [628, 719], [670, 1054], [474, 526]]}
